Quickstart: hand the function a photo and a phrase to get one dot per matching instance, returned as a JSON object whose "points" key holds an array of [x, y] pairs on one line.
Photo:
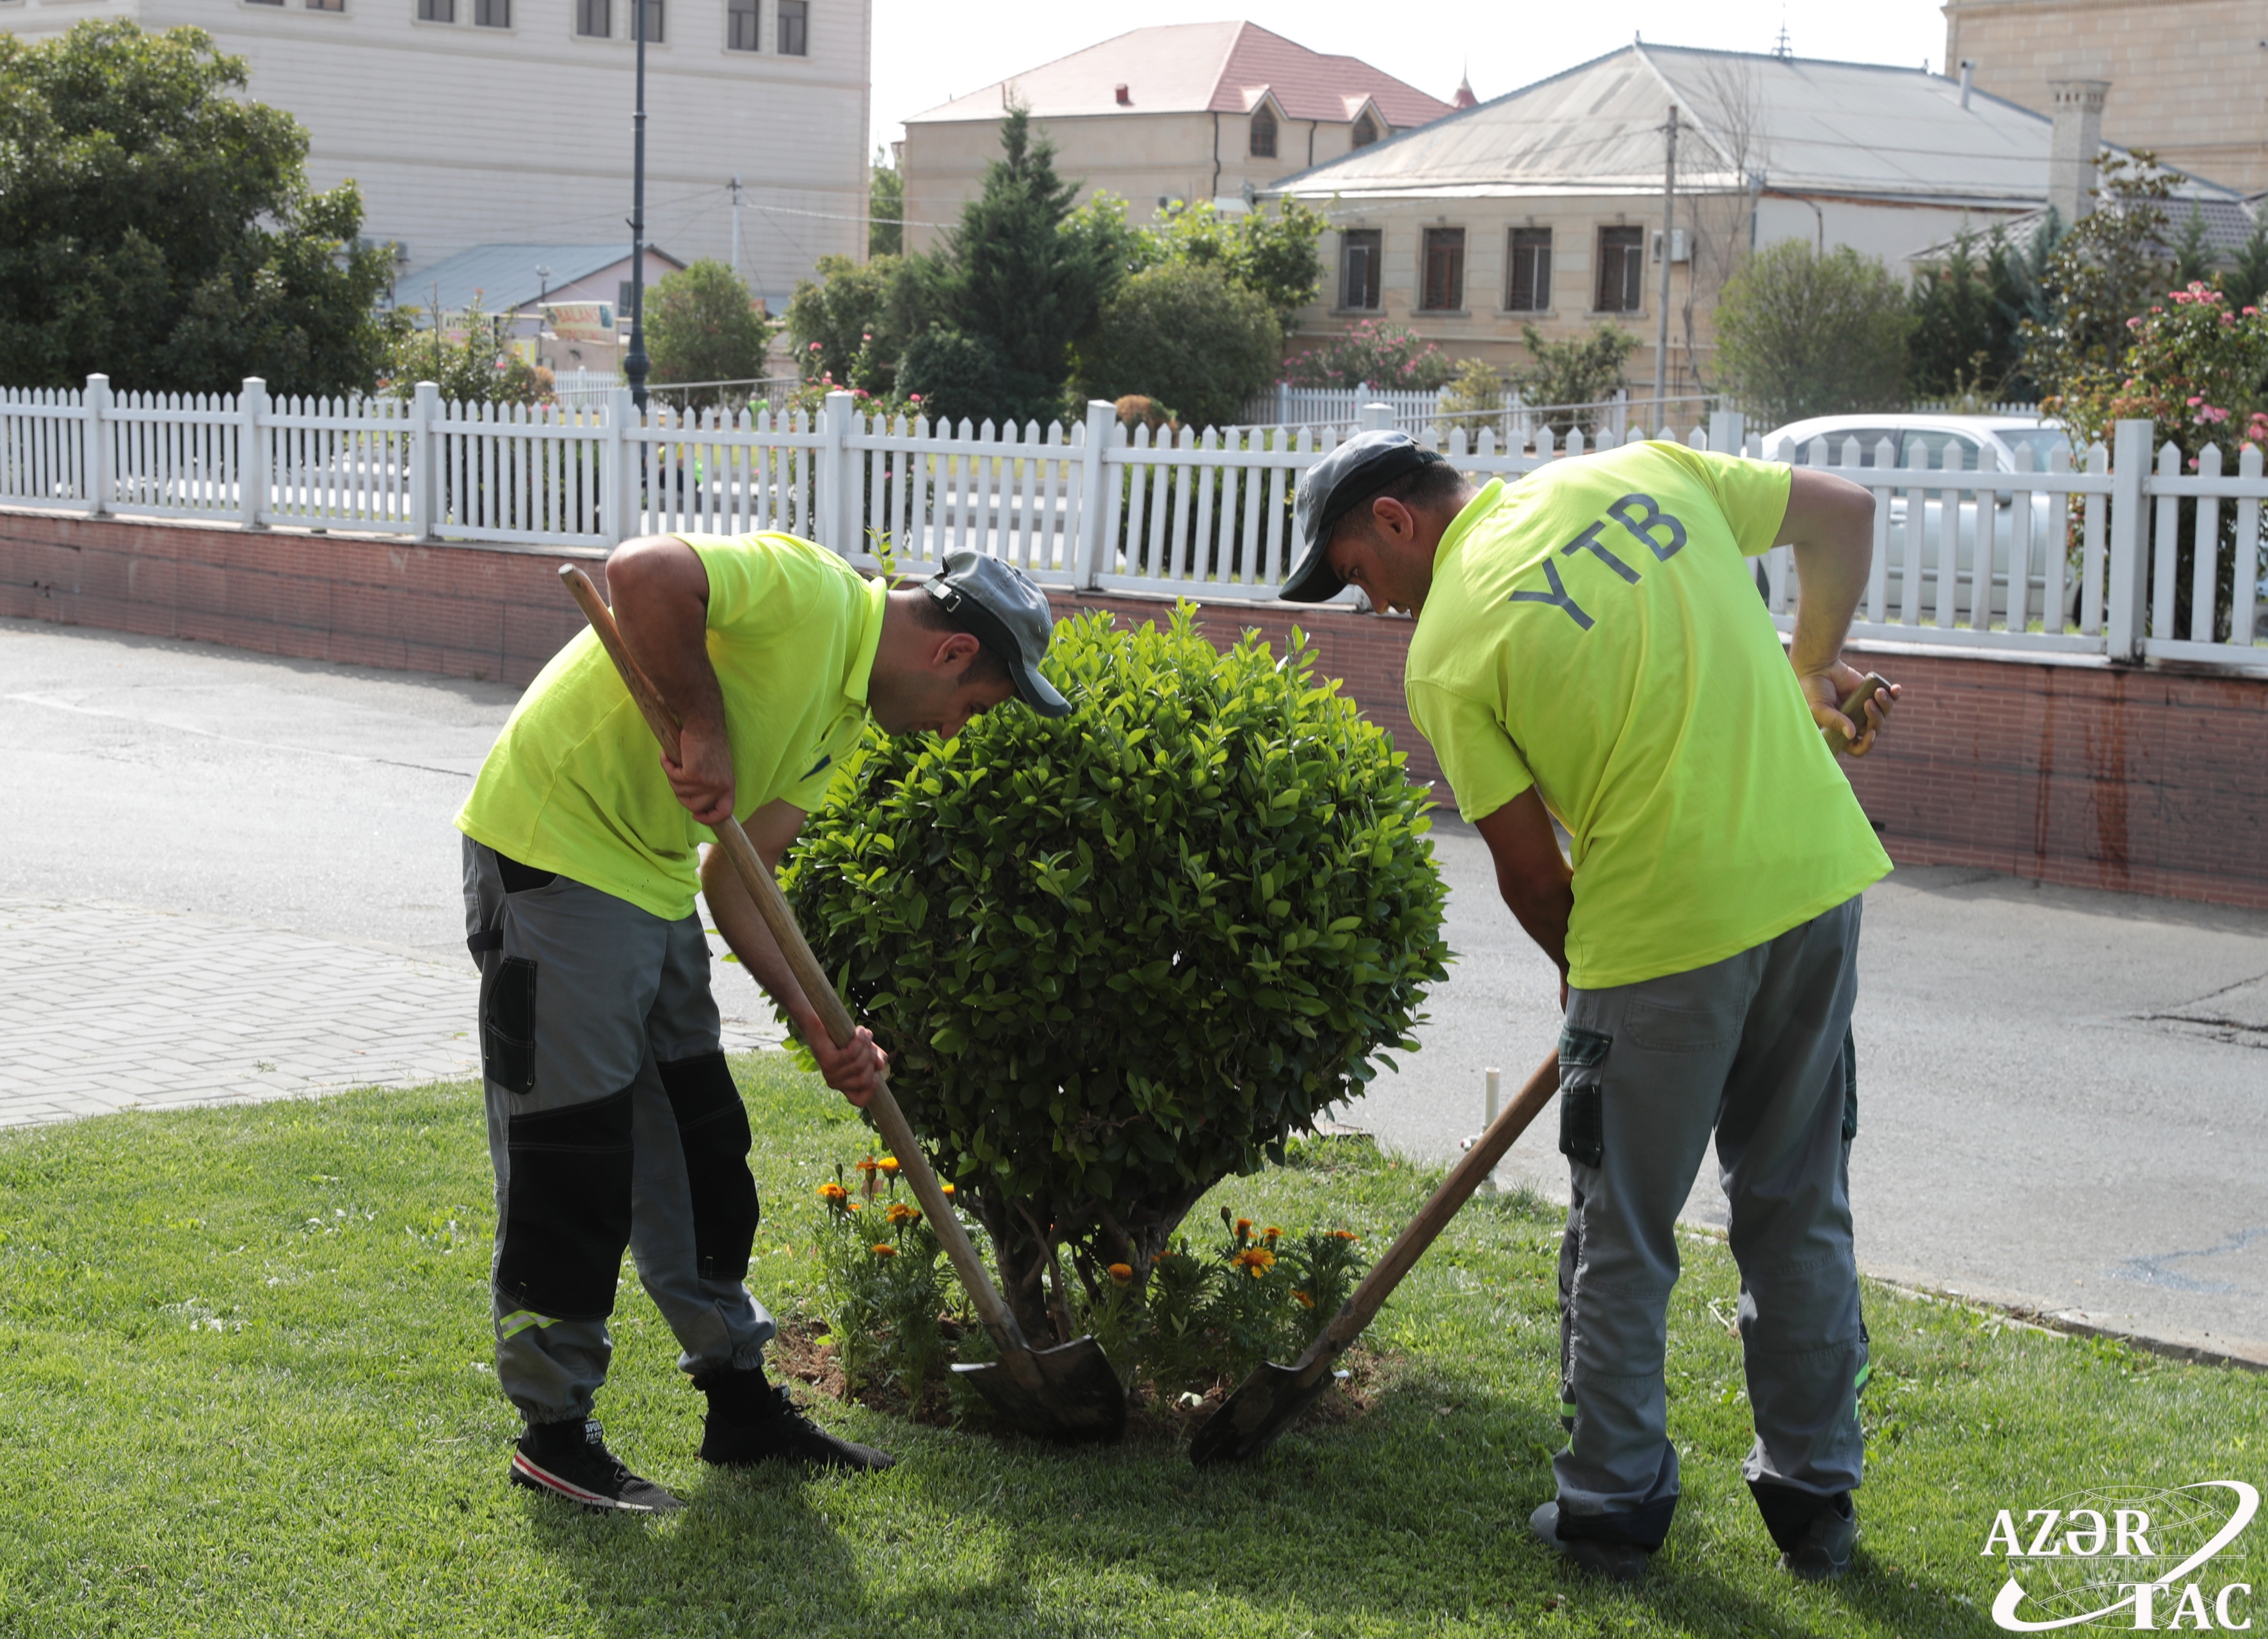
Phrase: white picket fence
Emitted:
{"points": [[2080, 561]]}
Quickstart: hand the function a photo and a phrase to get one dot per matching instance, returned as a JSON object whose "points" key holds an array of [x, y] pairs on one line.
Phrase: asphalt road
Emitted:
{"points": [[2063, 1095]]}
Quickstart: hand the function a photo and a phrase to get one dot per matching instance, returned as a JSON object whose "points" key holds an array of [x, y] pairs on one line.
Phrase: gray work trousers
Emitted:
{"points": [[1754, 1048], [612, 1122]]}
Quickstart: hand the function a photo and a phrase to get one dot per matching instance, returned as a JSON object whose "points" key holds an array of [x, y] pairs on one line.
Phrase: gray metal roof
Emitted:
{"points": [[1799, 124], [2228, 225], [505, 277]]}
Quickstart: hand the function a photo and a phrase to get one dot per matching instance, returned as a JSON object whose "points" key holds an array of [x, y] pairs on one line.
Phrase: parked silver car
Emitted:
{"points": [[1973, 444]]}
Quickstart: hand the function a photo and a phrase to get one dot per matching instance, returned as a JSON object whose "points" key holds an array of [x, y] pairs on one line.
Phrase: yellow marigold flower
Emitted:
{"points": [[947, 1188], [888, 1164], [900, 1213], [883, 1249], [1305, 1301], [1122, 1273], [1259, 1259]]}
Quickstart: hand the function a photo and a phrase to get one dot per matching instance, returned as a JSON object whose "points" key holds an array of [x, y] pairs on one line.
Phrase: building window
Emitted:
{"points": [[264, 2], [593, 18], [1264, 133], [326, 5], [653, 20], [1622, 269], [1365, 129], [1359, 253], [1528, 289], [740, 26], [1445, 271], [795, 28], [491, 13], [437, 11]]}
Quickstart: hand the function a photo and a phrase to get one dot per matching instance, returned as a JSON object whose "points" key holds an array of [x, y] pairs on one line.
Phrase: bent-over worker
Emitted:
{"points": [[612, 1118], [1590, 646]]}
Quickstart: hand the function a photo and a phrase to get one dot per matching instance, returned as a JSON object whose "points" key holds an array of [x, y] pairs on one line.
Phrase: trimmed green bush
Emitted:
{"points": [[1122, 955], [1187, 335]]}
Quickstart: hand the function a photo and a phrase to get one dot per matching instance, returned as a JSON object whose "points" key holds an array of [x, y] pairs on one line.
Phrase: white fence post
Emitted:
{"points": [[1726, 431], [838, 529], [251, 465], [1087, 565], [422, 451], [94, 450], [1377, 415], [618, 485], [2126, 587]]}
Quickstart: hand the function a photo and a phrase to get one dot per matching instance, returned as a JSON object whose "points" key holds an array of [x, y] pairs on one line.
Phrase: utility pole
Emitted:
{"points": [[736, 227], [1668, 230], [636, 365]]}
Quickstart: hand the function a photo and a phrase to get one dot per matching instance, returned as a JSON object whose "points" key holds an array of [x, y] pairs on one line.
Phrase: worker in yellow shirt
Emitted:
{"points": [[1590, 648], [612, 1118]]}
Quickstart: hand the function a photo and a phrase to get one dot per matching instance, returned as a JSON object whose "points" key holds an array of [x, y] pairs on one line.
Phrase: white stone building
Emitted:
{"points": [[484, 121]]}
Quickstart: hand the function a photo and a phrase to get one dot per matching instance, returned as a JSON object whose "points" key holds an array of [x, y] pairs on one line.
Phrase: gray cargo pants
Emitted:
{"points": [[1754, 1048], [612, 1122]]}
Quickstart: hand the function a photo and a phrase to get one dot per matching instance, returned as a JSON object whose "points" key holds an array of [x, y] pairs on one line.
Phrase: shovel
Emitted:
{"points": [[1067, 1394], [1272, 1399]]}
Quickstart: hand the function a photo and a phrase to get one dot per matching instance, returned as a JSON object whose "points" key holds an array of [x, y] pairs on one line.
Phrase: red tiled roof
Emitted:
{"points": [[1194, 68]]}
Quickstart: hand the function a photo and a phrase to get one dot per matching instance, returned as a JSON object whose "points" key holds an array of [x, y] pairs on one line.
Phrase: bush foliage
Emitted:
{"points": [[1121, 955], [1373, 354], [1184, 335], [701, 325], [468, 356], [1582, 370], [1799, 334]]}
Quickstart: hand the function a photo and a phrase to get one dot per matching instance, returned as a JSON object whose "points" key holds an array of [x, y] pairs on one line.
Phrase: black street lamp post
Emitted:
{"points": [[636, 365]]}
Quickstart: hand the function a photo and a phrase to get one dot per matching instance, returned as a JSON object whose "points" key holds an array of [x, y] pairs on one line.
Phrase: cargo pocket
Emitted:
{"points": [[508, 1025], [567, 1209], [712, 1126], [1849, 1086], [1582, 1105]]}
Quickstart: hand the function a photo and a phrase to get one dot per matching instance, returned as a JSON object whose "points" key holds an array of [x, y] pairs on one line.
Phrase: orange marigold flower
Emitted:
{"points": [[1272, 1234], [869, 1166], [1259, 1259], [900, 1213], [1344, 1235], [1122, 1273], [888, 1164], [1244, 1226], [834, 1194], [1305, 1301], [883, 1249], [947, 1188]]}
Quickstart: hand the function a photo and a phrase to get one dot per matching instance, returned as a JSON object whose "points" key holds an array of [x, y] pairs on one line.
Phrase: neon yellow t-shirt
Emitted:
{"points": [[575, 784], [1595, 631]]}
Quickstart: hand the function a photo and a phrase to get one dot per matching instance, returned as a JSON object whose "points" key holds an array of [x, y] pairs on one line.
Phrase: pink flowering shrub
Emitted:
{"points": [[1375, 354]]}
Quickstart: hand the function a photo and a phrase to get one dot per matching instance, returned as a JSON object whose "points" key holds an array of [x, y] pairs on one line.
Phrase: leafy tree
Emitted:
{"points": [[1272, 254], [1118, 955], [847, 323], [701, 325], [467, 356], [1582, 370], [2245, 280], [1373, 353], [2193, 253], [1953, 313], [1020, 276], [886, 208], [155, 228], [1799, 334], [2111, 265], [950, 375], [1185, 335], [1469, 400]]}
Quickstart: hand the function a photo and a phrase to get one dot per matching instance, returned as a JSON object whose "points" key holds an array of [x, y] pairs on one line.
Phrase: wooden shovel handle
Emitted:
{"points": [[772, 906], [1464, 1178], [1854, 707]]}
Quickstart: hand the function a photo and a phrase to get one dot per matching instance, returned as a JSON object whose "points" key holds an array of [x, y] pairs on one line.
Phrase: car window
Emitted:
{"points": [[2045, 441], [1867, 437], [1926, 448]]}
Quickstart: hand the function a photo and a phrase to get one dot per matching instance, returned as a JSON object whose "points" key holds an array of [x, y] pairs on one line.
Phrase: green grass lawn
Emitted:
{"points": [[245, 1388]]}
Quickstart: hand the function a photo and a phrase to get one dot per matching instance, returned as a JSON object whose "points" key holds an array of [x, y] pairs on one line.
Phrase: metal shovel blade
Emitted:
{"points": [[1265, 1405], [1069, 1395]]}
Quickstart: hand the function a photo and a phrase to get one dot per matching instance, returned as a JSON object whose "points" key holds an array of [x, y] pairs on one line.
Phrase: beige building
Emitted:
{"points": [[2189, 78], [1545, 206], [1189, 111], [478, 121]]}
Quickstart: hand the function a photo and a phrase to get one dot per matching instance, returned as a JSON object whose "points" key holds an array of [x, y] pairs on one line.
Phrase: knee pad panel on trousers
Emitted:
{"points": [[712, 1124], [567, 1209], [508, 1023]]}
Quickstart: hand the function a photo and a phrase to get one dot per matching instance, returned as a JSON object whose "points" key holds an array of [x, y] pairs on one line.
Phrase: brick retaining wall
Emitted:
{"points": [[2141, 780]]}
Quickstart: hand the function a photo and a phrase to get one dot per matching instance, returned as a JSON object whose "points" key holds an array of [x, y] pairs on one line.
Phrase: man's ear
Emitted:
{"points": [[1393, 520], [951, 652]]}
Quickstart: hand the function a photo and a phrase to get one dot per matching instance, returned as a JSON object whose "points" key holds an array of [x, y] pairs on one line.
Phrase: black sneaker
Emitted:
{"points": [[571, 1460], [751, 1422], [1822, 1552], [1617, 1561]]}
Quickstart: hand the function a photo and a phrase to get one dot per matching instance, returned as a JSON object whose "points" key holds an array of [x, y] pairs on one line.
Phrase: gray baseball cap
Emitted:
{"points": [[1009, 615], [1334, 487]]}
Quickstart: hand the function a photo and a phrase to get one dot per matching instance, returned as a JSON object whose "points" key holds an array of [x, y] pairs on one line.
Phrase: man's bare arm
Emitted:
{"points": [[660, 596], [852, 1070], [1532, 874], [1830, 524]]}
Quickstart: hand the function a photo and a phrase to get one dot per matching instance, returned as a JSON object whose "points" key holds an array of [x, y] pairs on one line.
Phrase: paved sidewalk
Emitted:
{"points": [[111, 1007]]}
